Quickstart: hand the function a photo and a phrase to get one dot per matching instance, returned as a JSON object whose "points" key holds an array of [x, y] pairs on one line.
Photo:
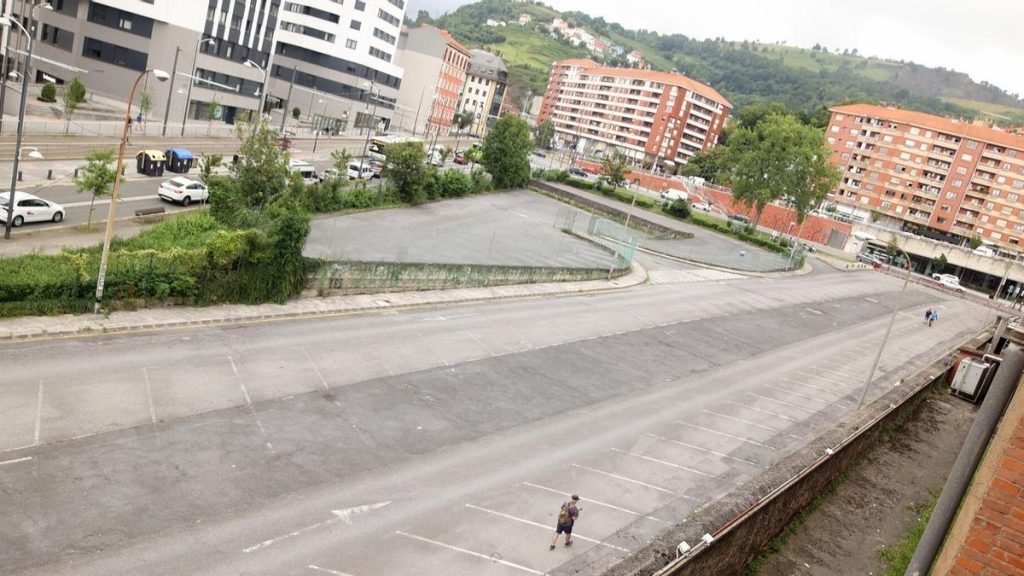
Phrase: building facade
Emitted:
{"points": [[435, 67], [484, 93], [943, 178], [651, 117], [341, 55]]}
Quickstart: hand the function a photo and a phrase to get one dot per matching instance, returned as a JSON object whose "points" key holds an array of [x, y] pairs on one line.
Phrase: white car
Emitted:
{"points": [[702, 206], [29, 208], [951, 283], [940, 277], [357, 172], [183, 191]]}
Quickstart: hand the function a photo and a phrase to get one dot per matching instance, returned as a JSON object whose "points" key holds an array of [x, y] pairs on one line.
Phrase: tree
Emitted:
{"points": [[614, 168], [72, 96], [261, 172], [146, 102], [207, 163], [779, 158], [96, 177], [545, 134], [212, 113], [939, 263], [48, 93], [341, 158], [296, 112], [975, 242], [405, 167], [506, 153], [707, 164], [445, 152]]}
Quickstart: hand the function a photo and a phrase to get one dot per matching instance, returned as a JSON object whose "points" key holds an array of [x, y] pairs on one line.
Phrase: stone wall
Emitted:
{"points": [[344, 278]]}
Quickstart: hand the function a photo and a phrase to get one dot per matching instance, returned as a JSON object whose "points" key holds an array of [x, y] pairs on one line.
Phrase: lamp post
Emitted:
{"points": [[170, 91], [192, 79], [285, 111], [21, 112], [263, 88], [373, 120], [885, 338], [111, 213], [4, 72]]}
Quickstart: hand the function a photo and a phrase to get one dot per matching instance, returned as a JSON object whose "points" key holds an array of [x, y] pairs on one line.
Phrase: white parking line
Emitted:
{"points": [[663, 462], [16, 460], [470, 553], [727, 435], [149, 396], [248, 401], [592, 501], [575, 536], [698, 448], [39, 414], [831, 371], [825, 378], [763, 411], [777, 401], [317, 370], [799, 395], [630, 480], [741, 420], [812, 386], [327, 570]]}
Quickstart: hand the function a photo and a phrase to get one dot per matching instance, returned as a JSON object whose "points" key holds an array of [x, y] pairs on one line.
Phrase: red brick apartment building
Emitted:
{"points": [[649, 116], [915, 170]]}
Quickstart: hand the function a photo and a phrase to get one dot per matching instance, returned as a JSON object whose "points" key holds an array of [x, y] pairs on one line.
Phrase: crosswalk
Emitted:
{"points": [[685, 276]]}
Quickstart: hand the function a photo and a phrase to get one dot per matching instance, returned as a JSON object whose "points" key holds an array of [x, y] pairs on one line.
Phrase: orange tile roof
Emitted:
{"points": [[920, 119], [578, 62], [663, 77], [453, 42]]}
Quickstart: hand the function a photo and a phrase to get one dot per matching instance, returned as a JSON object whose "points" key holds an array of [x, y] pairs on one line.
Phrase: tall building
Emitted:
{"points": [[484, 93], [945, 178], [435, 72], [342, 53], [649, 116]]}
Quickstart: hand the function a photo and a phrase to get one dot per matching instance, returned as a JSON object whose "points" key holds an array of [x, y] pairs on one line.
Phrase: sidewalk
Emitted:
{"points": [[36, 327]]}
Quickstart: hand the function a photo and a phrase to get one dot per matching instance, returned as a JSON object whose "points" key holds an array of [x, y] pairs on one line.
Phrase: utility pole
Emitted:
{"points": [[287, 101], [170, 91]]}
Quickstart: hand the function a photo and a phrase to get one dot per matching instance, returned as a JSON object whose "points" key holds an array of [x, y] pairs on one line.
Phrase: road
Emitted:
{"points": [[437, 441]]}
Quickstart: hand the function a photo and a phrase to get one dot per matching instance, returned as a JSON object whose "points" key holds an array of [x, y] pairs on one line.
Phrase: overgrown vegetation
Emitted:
{"points": [[897, 558]]}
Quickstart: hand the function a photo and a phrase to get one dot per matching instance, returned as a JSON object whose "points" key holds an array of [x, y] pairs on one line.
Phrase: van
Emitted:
{"points": [[670, 196], [305, 170], [983, 250]]}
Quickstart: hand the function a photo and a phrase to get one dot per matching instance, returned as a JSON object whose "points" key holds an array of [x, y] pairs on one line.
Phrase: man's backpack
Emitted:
{"points": [[564, 517]]}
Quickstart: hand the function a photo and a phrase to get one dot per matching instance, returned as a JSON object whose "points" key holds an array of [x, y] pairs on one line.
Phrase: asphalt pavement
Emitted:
{"points": [[437, 441]]}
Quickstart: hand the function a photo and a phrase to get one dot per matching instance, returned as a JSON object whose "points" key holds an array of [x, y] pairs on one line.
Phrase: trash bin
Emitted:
{"points": [[179, 160], [150, 162]]}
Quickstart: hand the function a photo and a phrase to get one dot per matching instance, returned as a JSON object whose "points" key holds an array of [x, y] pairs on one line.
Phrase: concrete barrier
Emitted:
{"points": [[612, 213]]}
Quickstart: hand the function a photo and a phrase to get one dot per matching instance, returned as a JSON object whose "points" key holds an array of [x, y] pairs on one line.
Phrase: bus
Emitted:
{"points": [[378, 146]]}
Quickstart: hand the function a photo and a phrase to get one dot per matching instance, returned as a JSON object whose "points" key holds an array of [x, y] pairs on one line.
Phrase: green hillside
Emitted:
{"points": [[805, 80]]}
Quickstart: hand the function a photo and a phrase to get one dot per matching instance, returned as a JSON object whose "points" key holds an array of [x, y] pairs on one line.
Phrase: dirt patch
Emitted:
{"points": [[877, 503]]}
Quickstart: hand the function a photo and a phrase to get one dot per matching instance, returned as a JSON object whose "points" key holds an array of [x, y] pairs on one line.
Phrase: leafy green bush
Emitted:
{"points": [[679, 209], [48, 93]]}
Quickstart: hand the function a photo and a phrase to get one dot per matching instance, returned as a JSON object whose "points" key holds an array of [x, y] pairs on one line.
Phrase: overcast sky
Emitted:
{"points": [[984, 38]]}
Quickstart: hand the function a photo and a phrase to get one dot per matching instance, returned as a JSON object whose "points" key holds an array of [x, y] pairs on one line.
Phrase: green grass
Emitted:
{"points": [[996, 111], [811, 61], [897, 558]]}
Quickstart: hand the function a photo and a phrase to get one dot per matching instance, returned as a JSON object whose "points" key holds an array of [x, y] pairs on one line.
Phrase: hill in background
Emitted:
{"points": [[805, 80]]}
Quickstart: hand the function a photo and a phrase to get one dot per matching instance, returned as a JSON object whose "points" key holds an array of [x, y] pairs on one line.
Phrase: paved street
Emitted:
{"points": [[436, 441]]}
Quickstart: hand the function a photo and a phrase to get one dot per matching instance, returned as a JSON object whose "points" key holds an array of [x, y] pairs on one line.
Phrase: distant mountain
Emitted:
{"points": [[744, 72]]}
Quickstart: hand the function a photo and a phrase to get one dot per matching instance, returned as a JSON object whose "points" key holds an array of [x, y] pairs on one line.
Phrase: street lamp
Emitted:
{"points": [[21, 110], [263, 89], [192, 79], [373, 120], [108, 235], [885, 338], [171, 91]]}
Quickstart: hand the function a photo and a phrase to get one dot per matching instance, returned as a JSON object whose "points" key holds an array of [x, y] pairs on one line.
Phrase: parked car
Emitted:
{"points": [[539, 153], [953, 283], [939, 277], [29, 208], [184, 191], [330, 174], [578, 173], [357, 172], [702, 206], [460, 157], [739, 218], [983, 250]]}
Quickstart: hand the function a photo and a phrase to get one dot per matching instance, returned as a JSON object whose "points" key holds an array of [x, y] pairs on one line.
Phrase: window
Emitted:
{"points": [[1018, 184], [360, 5], [355, 25], [961, 170], [945, 208], [915, 130], [835, 128], [378, 33], [350, 44], [967, 157], [951, 195], [380, 54], [958, 183], [400, 4], [972, 144], [119, 19], [387, 17], [112, 54]]}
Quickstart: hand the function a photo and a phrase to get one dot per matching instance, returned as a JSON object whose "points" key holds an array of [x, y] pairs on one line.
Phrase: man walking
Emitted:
{"points": [[933, 317], [567, 516], [927, 316]]}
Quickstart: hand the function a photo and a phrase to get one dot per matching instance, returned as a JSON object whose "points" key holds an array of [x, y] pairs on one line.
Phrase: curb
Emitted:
{"points": [[636, 276]]}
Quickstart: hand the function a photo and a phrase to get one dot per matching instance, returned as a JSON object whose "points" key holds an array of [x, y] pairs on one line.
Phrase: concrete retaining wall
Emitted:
{"points": [[651, 228], [344, 278]]}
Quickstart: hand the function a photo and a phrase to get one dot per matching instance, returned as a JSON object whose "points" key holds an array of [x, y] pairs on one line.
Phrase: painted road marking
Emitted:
{"points": [[327, 570], [797, 394], [720, 454], [543, 526], [470, 553], [664, 462], [830, 370], [742, 420], [624, 479], [825, 378], [812, 386], [149, 396], [16, 460], [248, 401], [39, 414], [727, 435], [763, 411], [592, 501], [317, 370], [344, 515], [777, 401]]}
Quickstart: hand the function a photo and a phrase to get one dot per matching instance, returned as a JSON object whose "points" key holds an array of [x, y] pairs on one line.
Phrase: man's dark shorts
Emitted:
{"points": [[567, 528]]}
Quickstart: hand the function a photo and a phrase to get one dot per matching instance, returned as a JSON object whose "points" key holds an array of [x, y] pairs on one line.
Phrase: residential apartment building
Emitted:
{"points": [[484, 93], [944, 178], [435, 73], [649, 116], [342, 54]]}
